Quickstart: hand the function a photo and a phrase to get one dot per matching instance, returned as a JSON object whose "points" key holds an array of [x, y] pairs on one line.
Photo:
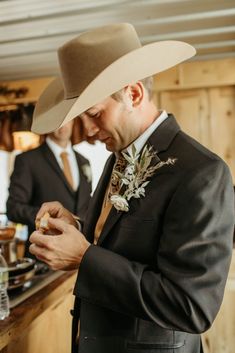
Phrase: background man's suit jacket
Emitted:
{"points": [[38, 178], [156, 278]]}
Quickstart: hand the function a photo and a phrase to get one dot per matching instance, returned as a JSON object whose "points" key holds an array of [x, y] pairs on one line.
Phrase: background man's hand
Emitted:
{"points": [[61, 252]]}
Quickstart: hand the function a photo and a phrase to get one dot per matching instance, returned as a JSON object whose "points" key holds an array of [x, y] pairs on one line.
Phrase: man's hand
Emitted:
{"points": [[56, 210], [61, 252]]}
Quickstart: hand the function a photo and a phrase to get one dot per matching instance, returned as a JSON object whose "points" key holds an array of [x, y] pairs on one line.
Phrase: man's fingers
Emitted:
{"points": [[39, 252], [51, 207], [44, 208], [58, 224], [39, 239]]}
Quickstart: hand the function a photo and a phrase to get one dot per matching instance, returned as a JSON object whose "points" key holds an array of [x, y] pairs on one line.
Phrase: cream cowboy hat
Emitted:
{"points": [[95, 65]]}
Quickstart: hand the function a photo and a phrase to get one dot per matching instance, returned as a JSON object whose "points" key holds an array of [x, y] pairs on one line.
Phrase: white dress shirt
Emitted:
{"points": [[142, 139]]}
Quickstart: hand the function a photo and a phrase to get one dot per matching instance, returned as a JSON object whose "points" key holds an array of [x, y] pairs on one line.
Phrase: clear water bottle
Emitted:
{"points": [[4, 300]]}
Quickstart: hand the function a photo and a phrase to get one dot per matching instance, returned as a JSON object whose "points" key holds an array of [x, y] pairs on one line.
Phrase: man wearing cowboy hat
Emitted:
{"points": [[155, 248]]}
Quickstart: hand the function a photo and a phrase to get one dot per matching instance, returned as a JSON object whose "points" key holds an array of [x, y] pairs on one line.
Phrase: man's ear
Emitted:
{"points": [[136, 93]]}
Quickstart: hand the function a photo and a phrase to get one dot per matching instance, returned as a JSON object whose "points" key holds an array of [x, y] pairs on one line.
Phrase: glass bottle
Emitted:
{"points": [[4, 299]]}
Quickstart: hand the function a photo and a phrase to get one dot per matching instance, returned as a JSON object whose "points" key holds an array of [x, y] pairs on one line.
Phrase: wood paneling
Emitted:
{"points": [[222, 124], [208, 115], [211, 73], [191, 111]]}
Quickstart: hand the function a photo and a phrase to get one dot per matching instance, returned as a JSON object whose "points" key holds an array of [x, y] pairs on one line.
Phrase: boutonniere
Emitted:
{"points": [[86, 169], [135, 176]]}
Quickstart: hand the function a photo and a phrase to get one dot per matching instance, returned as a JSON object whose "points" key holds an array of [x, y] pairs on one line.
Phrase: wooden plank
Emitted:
{"points": [[222, 112], [209, 73], [197, 74], [191, 111]]}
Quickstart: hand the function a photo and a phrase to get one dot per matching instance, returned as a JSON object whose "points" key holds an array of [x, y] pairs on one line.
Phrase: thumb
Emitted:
{"points": [[56, 223]]}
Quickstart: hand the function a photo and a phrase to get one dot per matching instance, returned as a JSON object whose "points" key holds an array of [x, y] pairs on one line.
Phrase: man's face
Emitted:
{"points": [[63, 134], [112, 122]]}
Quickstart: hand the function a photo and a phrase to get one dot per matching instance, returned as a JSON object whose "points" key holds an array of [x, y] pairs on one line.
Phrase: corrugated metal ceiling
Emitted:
{"points": [[31, 31]]}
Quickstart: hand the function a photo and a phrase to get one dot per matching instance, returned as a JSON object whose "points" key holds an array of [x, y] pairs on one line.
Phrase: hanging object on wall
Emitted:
{"points": [[6, 138], [15, 119], [9, 95], [23, 138], [15, 127]]}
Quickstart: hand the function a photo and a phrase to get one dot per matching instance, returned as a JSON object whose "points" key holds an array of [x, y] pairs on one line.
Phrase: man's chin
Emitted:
{"points": [[110, 148], [109, 145]]}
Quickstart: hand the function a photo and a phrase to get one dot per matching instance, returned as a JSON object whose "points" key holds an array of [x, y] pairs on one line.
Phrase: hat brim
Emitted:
{"points": [[53, 111]]}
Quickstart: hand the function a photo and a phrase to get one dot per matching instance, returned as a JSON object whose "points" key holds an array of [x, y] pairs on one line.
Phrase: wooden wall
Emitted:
{"points": [[200, 94], [202, 98]]}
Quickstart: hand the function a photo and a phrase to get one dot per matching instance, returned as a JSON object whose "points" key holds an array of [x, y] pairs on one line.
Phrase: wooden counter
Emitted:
{"points": [[42, 323]]}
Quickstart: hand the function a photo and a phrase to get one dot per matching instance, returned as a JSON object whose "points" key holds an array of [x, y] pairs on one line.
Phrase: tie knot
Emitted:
{"points": [[120, 164], [64, 154], [119, 167]]}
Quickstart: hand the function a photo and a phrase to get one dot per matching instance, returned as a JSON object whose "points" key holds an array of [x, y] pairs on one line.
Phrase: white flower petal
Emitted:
{"points": [[120, 203]]}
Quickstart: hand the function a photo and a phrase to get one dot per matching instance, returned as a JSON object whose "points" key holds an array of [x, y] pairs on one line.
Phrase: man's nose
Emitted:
{"points": [[90, 127]]}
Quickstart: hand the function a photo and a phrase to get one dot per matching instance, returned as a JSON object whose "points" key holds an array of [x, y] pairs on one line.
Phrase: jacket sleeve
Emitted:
{"points": [[19, 207], [184, 290]]}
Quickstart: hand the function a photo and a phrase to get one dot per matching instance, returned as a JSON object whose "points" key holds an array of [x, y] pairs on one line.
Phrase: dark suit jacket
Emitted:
{"points": [[156, 279], [38, 178]]}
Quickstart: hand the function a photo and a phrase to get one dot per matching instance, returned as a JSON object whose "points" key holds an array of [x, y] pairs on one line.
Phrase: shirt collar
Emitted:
{"points": [[56, 149], [142, 139]]}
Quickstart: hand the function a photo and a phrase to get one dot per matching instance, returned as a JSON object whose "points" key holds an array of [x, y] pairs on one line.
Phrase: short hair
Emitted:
{"points": [[147, 83]]}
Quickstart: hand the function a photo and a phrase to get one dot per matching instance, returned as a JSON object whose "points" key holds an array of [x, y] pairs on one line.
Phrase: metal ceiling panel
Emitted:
{"points": [[31, 30]]}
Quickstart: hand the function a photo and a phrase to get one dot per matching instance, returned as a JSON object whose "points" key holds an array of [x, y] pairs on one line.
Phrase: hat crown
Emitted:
{"points": [[98, 63], [86, 56]]}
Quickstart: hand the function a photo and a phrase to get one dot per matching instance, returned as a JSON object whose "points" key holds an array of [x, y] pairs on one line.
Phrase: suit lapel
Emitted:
{"points": [[97, 199], [82, 190], [49, 156], [160, 139], [112, 219]]}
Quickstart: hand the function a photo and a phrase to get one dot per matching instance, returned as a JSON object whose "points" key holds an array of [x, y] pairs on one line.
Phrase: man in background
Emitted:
{"points": [[52, 171]]}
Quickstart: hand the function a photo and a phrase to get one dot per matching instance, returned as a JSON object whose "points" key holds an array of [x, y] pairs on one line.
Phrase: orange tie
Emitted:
{"points": [[113, 187], [67, 169]]}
